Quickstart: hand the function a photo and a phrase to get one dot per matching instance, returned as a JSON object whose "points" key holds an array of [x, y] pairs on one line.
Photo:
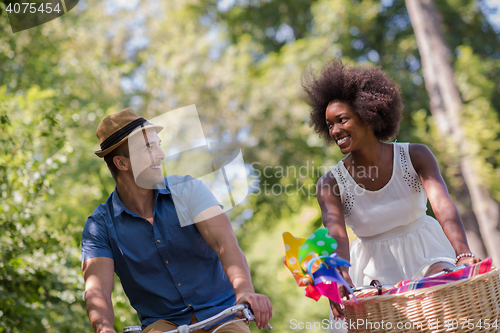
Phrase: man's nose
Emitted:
{"points": [[159, 153]]}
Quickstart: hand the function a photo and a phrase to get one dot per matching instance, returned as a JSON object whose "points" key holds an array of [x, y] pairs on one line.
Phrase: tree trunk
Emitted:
{"points": [[446, 107]]}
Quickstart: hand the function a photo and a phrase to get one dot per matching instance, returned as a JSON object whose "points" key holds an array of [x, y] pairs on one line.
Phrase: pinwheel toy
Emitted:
{"points": [[314, 265]]}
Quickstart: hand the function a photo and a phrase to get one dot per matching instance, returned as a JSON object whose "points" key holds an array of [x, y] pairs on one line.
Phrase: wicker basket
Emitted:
{"points": [[469, 305]]}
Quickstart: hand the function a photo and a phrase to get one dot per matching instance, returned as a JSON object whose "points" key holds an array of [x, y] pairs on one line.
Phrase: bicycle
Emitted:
{"points": [[243, 308]]}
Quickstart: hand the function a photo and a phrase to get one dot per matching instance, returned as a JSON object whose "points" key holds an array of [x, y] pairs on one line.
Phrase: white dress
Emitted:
{"points": [[396, 239]]}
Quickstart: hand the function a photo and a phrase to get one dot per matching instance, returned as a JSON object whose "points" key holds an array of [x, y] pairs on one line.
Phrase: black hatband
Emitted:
{"points": [[121, 133]]}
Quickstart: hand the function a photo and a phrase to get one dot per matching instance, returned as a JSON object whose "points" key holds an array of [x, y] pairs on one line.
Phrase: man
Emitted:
{"points": [[172, 275]]}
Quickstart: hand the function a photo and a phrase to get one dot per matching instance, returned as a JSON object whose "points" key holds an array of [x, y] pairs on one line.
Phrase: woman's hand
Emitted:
{"points": [[468, 260], [338, 309], [343, 290]]}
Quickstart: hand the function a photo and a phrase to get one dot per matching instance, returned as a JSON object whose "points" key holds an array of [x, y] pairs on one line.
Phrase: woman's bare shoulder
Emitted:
{"points": [[420, 156], [327, 179], [327, 186]]}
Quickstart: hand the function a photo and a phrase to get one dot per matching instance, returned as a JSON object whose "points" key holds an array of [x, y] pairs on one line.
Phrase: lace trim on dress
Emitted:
{"points": [[411, 180], [348, 200]]}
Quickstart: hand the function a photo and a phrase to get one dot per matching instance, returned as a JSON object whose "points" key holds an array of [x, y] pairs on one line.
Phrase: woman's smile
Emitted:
{"points": [[345, 127], [342, 141]]}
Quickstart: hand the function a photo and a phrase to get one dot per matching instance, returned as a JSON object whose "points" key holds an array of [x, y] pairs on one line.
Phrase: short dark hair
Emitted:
{"points": [[121, 150], [374, 97]]}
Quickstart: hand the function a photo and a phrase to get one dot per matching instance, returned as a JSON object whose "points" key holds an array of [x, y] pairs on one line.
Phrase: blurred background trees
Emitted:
{"points": [[241, 63], [447, 107]]}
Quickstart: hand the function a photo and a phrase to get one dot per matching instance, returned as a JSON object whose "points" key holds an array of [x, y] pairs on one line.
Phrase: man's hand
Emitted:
{"points": [[261, 308]]}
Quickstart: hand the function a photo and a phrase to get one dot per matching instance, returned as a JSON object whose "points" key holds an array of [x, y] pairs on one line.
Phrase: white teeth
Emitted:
{"points": [[155, 167], [342, 141]]}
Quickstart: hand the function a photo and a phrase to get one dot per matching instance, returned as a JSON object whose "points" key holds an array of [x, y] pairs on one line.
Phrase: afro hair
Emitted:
{"points": [[374, 97]]}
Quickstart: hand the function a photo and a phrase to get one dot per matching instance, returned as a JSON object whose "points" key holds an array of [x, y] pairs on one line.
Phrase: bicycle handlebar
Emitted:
{"points": [[244, 308]]}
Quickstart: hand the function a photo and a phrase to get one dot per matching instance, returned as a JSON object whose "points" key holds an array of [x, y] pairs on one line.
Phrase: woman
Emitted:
{"points": [[380, 189]]}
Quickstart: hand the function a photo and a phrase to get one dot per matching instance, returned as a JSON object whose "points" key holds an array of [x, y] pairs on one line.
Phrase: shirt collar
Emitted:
{"points": [[163, 189], [119, 207]]}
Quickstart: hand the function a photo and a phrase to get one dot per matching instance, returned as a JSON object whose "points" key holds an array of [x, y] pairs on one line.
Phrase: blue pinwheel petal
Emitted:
{"points": [[333, 275], [336, 261]]}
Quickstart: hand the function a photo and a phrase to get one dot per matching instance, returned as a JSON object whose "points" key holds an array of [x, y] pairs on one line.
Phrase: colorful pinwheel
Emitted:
{"points": [[314, 265]]}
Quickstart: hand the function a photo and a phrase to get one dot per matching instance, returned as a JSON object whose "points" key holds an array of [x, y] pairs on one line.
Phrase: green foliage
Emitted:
{"points": [[60, 79], [271, 24], [478, 82], [40, 284], [75, 65]]}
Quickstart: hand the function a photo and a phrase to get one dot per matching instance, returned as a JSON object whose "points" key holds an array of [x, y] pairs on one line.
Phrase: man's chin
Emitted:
{"points": [[148, 181]]}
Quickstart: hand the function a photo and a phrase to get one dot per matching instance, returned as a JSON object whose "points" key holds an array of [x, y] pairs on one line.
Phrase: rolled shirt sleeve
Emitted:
{"points": [[95, 241], [191, 197]]}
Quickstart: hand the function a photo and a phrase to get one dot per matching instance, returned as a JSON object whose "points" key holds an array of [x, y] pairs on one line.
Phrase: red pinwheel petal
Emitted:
{"points": [[311, 292]]}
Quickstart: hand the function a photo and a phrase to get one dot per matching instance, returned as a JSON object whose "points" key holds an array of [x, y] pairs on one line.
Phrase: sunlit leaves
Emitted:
{"points": [[39, 285]]}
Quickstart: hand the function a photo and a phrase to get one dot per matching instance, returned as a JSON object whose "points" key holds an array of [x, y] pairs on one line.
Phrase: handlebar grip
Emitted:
{"points": [[248, 306], [378, 285]]}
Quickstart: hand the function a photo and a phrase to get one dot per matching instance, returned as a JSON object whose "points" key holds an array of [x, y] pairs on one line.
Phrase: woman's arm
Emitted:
{"points": [[332, 213], [426, 166], [333, 218]]}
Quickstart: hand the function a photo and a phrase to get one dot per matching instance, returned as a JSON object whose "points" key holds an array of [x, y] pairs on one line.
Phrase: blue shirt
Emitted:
{"points": [[167, 271]]}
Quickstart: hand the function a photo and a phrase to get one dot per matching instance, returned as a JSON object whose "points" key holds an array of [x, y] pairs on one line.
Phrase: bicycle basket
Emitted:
{"points": [[468, 305]]}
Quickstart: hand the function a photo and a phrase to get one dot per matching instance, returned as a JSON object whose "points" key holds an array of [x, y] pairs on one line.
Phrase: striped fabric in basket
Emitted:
{"points": [[464, 273], [412, 284]]}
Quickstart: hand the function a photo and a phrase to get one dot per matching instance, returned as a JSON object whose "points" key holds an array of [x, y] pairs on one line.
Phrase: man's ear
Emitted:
{"points": [[120, 163]]}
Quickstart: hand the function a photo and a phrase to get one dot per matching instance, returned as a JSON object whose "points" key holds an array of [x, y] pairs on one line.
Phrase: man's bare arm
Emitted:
{"points": [[99, 278], [218, 233]]}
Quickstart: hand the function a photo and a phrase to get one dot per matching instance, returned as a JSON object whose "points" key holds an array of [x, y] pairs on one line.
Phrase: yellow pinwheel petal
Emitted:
{"points": [[292, 245]]}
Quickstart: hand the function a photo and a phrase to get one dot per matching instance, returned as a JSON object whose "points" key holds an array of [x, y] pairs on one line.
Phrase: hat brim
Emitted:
{"points": [[102, 153]]}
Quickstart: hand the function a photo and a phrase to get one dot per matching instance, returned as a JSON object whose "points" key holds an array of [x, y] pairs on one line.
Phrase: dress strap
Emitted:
{"points": [[410, 176], [346, 196]]}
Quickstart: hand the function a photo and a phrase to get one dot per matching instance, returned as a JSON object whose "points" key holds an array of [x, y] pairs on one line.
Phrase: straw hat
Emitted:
{"points": [[116, 128]]}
